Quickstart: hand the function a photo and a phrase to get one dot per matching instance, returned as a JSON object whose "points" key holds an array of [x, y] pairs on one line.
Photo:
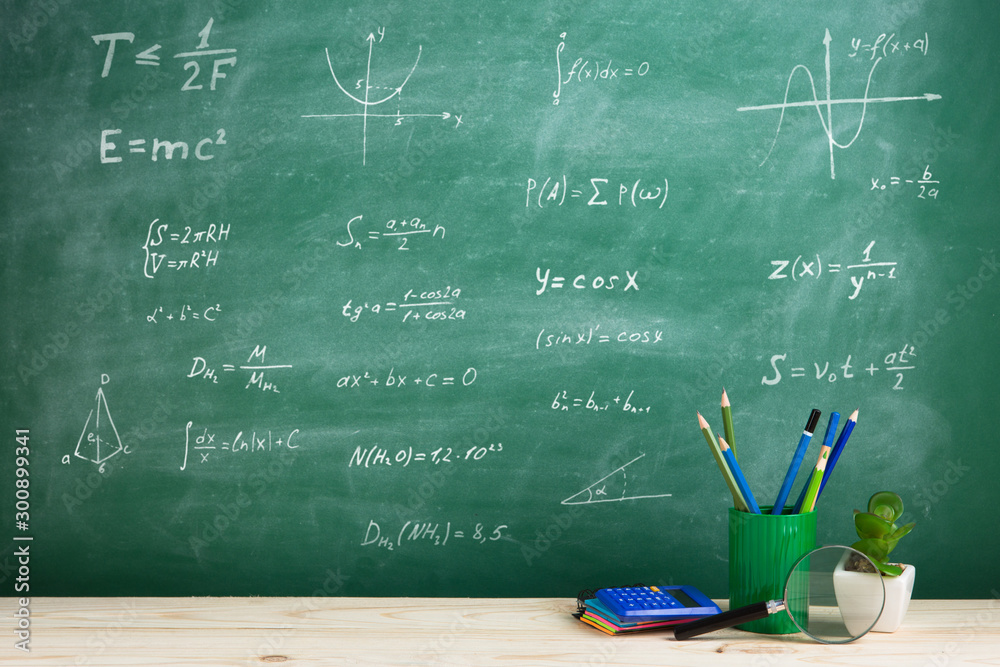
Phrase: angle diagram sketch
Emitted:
{"points": [[598, 491], [367, 103], [829, 103]]}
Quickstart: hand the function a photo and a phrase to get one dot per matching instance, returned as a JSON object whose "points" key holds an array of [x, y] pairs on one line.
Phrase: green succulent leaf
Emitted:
{"points": [[871, 525], [874, 548], [889, 569], [900, 531], [886, 504]]}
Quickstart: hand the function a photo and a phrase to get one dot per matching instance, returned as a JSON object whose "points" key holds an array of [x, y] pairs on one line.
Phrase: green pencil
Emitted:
{"points": [[727, 474], [809, 501], [727, 423]]}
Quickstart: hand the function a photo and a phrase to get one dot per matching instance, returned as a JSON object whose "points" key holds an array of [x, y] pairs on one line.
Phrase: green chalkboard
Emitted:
{"points": [[412, 299]]}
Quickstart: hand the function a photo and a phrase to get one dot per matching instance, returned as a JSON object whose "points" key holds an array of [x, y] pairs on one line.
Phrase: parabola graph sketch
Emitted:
{"points": [[829, 103], [367, 103], [598, 492]]}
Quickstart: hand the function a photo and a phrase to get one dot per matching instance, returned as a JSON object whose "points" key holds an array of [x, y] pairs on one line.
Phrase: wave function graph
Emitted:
{"points": [[828, 103], [367, 102]]}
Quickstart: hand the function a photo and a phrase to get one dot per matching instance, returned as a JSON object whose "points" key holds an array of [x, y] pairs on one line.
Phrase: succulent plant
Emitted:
{"points": [[878, 530]]}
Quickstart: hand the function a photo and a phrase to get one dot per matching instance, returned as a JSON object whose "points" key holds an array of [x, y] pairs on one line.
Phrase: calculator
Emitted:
{"points": [[648, 603]]}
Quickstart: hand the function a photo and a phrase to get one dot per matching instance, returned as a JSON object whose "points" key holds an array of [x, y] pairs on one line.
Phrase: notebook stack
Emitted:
{"points": [[619, 611]]}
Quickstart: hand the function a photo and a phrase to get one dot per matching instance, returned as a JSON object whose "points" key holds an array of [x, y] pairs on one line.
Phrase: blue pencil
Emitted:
{"points": [[793, 469], [741, 481], [831, 431], [845, 433]]}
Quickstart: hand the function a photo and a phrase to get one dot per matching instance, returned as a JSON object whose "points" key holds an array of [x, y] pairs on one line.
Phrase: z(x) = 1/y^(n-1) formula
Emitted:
{"points": [[829, 103], [366, 102]]}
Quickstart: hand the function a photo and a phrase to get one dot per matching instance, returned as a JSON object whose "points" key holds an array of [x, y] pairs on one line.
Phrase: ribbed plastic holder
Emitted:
{"points": [[763, 548]]}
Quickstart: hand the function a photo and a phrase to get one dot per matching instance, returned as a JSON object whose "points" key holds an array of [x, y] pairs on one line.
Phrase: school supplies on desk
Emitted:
{"points": [[597, 615], [744, 499], [845, 433], [793, 469], [741, 481], [640, 608], [720, 461], [831, 431], [811, 490], [727, 422], [651, 603]]}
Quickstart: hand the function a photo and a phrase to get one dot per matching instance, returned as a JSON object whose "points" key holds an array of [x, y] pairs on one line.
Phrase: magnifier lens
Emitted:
{"points": [[830, 601]]}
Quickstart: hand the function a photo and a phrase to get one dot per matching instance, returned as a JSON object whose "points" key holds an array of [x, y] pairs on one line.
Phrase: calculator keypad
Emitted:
{"points": [[640, 601]]}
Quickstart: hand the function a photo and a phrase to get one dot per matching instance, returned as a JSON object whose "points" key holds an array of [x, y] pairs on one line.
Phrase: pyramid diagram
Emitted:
{"points": [[99, 440]]}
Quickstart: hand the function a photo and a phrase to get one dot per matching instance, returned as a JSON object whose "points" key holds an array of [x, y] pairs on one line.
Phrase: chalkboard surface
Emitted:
{"points": [[423, 298]]}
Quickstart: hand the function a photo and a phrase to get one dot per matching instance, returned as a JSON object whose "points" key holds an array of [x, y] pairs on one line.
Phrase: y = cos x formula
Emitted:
{"points": [[553, 192]]}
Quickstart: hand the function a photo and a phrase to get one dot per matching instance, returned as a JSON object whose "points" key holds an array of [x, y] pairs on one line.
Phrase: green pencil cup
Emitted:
{"points": [[763, 548]]}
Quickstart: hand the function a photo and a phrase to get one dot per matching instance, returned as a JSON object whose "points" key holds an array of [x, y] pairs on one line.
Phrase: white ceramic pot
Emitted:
{"points": [[897, 599], [857, 586]]}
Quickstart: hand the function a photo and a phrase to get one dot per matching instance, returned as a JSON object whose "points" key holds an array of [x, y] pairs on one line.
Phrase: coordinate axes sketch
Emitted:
{"points": [[818, 104], [366, 103], [598, 491]]}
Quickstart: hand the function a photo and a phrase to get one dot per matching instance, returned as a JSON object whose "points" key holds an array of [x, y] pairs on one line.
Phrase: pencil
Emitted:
{"points": [[738, 501], [831, 430], [741, 481], [793, 468], [812, 491], [845, 433], [727, 422]]}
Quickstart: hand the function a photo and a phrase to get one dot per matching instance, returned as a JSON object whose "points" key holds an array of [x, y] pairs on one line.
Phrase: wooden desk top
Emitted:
{"points": [[451, 631]]}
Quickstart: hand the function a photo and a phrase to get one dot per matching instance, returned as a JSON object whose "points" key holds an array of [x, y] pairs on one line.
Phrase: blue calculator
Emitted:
{"points": [[650, 603]]}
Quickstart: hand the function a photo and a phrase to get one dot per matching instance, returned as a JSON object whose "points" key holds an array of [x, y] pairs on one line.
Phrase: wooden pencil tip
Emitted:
{"points": [[854, 416], [701, 421], [723, 445], [725, 398]]}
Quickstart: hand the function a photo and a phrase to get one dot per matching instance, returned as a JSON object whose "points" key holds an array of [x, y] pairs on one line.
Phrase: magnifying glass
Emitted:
{"points": [[824, 596]]}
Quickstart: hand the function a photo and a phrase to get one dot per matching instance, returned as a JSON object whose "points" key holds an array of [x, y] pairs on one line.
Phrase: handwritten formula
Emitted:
{"points": [[928, 186], [255, 367], [186, 313], [802, 268], [433, 533], [370, 457], [895, 364], [202, 254], [553, 191], [204, 442], [400, 233], [567, 402], [432, 305], [218, 61], [594, 335], [584, 70], [886, 45], [396, 380]]}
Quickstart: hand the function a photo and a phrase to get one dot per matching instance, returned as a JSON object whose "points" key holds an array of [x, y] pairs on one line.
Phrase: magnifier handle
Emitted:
{"points": [[727, 619]]}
